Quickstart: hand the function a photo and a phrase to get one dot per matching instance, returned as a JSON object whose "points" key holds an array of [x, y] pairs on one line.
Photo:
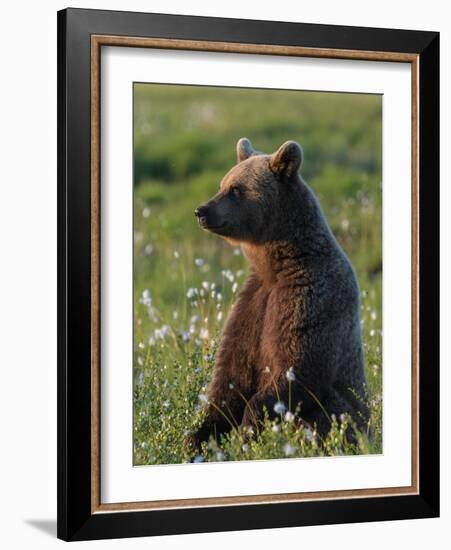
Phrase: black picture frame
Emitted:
{"points": [[75, 518]]}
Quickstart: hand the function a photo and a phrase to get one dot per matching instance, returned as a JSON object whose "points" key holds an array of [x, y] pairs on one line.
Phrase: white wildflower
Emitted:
{"points": [[203, 398], [140, 378], [146, 298], [203, 334], [227, 274], [199, 262], [288, 449], [219, 316], [191, 293], [345, 224], [279, 407], [234, 287], [289, 416], [291, 377], [146, 212]]}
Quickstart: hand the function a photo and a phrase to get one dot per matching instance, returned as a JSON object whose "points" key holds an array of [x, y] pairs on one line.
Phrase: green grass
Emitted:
{"points": [[185, 279]]}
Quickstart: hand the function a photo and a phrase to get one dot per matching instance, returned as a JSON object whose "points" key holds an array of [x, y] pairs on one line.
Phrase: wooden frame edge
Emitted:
{"points": [[263, 49], [415, 254], [95, 275], [235, 47], [254, 499]]}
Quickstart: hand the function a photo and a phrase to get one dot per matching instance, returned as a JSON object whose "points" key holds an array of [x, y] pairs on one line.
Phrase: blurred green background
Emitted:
{"points": [[184, 143]]}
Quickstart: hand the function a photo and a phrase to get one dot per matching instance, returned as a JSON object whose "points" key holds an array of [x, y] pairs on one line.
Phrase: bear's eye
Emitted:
{"points": [[236, 192]]}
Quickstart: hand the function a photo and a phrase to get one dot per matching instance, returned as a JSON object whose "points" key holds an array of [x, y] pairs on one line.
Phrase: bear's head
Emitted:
{"points": [[254, 194]]}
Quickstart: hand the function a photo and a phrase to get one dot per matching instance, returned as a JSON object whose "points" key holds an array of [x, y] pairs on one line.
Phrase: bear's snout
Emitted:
{"points": [[201, 215], [210, 217]]}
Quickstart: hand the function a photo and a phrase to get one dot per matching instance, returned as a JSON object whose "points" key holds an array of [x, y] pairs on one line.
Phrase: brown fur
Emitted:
{"points": [[298, 310]]}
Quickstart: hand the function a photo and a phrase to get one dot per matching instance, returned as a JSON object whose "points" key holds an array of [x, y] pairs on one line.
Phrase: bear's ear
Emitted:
{"points": [[244, 149], [287, 160]]}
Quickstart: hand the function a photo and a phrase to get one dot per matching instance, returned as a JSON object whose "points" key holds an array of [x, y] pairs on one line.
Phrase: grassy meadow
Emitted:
{"points": [[185, 279]]}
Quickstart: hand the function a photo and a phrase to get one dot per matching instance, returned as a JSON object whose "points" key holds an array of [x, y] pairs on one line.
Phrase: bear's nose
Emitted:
{"points": [[200, 214]]}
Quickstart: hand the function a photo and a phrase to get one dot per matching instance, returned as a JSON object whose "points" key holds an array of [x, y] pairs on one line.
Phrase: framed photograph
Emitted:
{"points": [[248, 274]]}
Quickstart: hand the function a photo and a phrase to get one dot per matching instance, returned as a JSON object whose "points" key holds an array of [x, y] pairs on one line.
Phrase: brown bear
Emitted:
{"points": [[295, 326]]}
